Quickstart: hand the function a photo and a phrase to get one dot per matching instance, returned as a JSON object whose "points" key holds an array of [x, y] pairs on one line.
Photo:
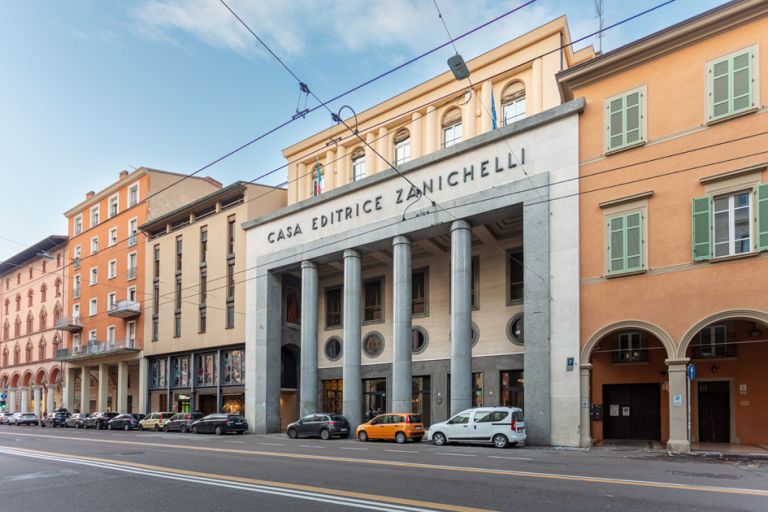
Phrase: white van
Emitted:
{"points": [[502, 426]]}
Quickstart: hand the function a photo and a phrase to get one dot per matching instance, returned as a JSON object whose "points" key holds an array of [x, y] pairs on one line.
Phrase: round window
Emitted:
{"points": [[516, 329], [419, 340], [373, 344], [333, 348]]}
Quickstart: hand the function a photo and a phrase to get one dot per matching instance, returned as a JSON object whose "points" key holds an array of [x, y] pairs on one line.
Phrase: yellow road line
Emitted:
{"points": [[416, 465], [254, 481]]}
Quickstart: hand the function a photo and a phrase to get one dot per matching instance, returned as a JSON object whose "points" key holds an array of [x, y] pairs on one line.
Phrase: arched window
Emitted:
{"points": [[43, 292], [452, 131], [5, 357], [44, 265], [18, 302], [28, 352], [30, 322], [30, 295], [56, 314], [318, 180], [43, 319], [17, 327], [58, 259], [58, 287], [41, 350], [56, 342], [402, 142], [30, 272], [16, 354], [7, 305], [6, 330], [358, 163], [513, 102]]}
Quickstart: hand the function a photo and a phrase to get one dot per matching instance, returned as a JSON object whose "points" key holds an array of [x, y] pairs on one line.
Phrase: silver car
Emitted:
{"points": [[6, 418], [27, 418]]}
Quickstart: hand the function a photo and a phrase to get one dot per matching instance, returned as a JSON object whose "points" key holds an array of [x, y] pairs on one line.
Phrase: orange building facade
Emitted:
{"points": [[106, 286], [32, 300], [674, 233]]}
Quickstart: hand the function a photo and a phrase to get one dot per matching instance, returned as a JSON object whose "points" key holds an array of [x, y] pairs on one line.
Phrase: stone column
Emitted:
{"points": [[144, 385], [371, 160], [536, 93], [11, 399], [586, 399], [468, 117], [25, 399], [103, 389], [416, 135], [430, 132], [678, 414], [51, 405], [385, 150], [486, 122], [36, 400], [353, 386], [68, 396], [122, 387], [308, 380], [401, 325], [85, 389], [461, 316]]}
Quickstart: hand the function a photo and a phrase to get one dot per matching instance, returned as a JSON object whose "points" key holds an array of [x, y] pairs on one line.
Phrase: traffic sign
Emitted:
{"points": [[691, 371], [3, 396]]}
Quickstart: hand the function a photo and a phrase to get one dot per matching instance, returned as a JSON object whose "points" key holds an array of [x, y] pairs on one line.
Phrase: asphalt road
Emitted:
{"points": [[92, 470]]}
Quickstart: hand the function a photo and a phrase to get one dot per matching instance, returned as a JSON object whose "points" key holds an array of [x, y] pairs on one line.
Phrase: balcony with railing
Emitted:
{"points": [[95, 348], [709, 349], [125, 309], [69, 324]]}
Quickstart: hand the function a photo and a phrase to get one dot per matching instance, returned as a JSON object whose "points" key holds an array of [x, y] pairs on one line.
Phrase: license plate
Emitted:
{"points": [[416, 428], [343, 430], [521, 430]]}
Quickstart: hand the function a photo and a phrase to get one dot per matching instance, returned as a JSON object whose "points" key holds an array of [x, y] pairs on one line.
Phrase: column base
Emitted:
{"points": [[678, 445]]}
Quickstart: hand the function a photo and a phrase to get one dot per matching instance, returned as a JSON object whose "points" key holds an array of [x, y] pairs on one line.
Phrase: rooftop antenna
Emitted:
{"points": [[599, 13]]}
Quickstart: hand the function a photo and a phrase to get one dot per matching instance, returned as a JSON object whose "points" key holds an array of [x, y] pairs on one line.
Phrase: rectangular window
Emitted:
{"points": [[76, 312], [112, 237], [177, 294], [206, 370], [112, 269], [731, 84], [202, 320], [419, 293], [403, 151], [94, 245], [92, 307], [233, 367], [203, 244], [477, 389], [333, 393], [732, 224], [230, 295], [110, 335], [714, 341], [130, 334], [358, 168], [132, 232], [625, 243], [133, 195], [78, 224], [515, 273], [630, 348], [203, 286], [156, 262], [514, 109], [76, 256], [131, 294], [179, 250], [95, 215], [156, 311], [92, 335], [333, 307], [512, 389], [230, 235], [373, 307], [76, 287], [93, 276], [624, 119], [111, 301], [177, 324], [132, 265], [452, 135], [114, 205]]}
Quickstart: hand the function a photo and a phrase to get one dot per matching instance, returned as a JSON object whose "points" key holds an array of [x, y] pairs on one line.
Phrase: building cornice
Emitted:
{"points": [[690, 31]]}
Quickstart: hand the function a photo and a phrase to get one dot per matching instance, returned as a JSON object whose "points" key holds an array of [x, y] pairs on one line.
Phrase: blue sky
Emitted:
{"points": [[91, 87]]}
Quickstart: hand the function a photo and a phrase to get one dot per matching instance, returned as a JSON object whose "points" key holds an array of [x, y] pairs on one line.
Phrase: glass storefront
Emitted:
{"points": [[374, 396], [207, 373], [421, 402], [511, 392], [333, 396], [233, 367]]}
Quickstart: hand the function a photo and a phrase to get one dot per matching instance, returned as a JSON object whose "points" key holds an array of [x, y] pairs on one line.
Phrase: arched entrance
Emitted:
{"points": [[624, 384], [729, 350]]}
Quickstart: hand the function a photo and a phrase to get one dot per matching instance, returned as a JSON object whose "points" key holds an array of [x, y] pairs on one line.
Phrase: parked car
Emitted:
{"points": [[15, 418], [6, 418], [155, 421], [220, 424], [77, 420], [322, 425], [182, 421], [55, 419], [27, 418], [392, 426], [125, 422], [502, 426], [98, 420]]}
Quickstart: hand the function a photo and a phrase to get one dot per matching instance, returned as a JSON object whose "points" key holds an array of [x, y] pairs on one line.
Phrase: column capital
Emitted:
{"points": [[351, 253], [401, 240], [308, 264], [430, 109], [460, 224], [415, 116]]}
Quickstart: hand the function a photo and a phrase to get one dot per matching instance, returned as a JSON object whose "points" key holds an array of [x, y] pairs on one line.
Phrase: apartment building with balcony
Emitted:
{"points": [[194, 273], [33, 302], [674, 233], [419, 265], [106, 289]]}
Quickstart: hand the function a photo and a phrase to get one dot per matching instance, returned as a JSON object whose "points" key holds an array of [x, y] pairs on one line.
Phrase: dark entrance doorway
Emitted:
{"points": [[714, 404], [632, 411]]}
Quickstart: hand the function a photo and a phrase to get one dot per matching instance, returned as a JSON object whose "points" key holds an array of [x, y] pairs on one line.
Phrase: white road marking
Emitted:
{"points": [[310, 446], [238, 442], [272, 444], [350, 448], [511, 458], [402, 451], [457, 454]]}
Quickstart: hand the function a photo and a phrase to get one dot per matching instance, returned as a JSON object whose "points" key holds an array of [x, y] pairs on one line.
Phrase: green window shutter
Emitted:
{"points": [[702, 228], [731, 84], [625, 243], [762, 217], [634, 241], [616, 245], [624, 120]]}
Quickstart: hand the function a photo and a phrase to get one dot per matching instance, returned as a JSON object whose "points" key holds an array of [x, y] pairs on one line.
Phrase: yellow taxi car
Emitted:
{"points": [[399, 427]]}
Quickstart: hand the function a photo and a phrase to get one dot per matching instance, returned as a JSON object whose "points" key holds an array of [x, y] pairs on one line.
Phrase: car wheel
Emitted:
{"points": [[500, 441], [157, 428], [98, 426], [109, 426], [400, 438], [183, 429], [325, 434], [140, 428], [438, 439], [362, 436], [126, 427], [218, 431], [195, 431], [165, 429], [292, 433]]}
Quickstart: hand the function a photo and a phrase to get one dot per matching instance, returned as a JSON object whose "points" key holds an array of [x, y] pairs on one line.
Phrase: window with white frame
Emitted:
{"points": [[358, 164], [77, 253], [112, 237], [630, 348], [111, 301], [625, 239], [732, 224], [114, 206], [93, 276], [402, 142], [93, 307], [111, 335], [452, 128], [76, 312], [132, 265], [133, 195], [625, 120], [76, 287], [112, 269], [713, 341], [92, 335], [76, 340], [94, 245], [513, 102], [131, 294], [132, 231], [78, 224], [130, 333], [95, 215], [732, 85]]}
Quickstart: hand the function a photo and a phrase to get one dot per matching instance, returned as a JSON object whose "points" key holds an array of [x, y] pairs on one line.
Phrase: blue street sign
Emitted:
{"points": [[691, 371], [3, 396]]}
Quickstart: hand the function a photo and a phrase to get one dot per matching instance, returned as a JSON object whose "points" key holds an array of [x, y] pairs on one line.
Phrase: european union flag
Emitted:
{"points": [[493, 111]]}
